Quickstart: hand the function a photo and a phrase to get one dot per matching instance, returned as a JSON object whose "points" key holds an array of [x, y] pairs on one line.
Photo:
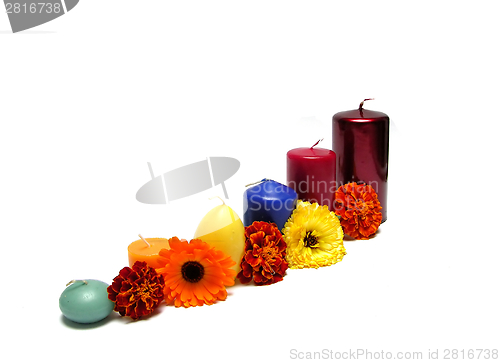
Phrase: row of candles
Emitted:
{"points": [[360, 154]]}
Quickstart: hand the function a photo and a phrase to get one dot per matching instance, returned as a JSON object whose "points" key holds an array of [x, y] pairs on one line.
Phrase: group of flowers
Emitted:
{"points": [[195, 274]]}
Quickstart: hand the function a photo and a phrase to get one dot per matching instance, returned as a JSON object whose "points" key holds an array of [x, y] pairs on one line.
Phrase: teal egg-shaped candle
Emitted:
{"points": [[86, 301]]}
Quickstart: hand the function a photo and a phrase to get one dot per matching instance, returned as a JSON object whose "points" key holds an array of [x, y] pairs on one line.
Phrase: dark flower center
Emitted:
{"points": [[192, 271], [310, 240]]}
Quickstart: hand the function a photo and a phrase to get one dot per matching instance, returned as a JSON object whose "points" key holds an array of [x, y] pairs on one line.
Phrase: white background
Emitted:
{"points": [[89, 98]]}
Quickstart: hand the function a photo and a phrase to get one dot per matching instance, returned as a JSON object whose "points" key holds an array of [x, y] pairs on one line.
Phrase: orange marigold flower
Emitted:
{"points": [[359, 210], [264, 258], [195, 273], [136, 291]]}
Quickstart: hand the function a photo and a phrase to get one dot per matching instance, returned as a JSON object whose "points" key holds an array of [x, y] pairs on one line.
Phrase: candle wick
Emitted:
{"points": [[146, 242], [317, 143], [258, 182], [73, 281], [219, 198], [363, 102]]}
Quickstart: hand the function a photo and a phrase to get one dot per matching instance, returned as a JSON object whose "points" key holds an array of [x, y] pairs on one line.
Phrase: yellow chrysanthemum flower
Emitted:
{"points": [[314, 237]]}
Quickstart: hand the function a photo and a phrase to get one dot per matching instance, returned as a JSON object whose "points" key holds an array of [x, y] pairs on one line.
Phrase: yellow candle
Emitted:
{"points": [[146, 250], [222, 229]]}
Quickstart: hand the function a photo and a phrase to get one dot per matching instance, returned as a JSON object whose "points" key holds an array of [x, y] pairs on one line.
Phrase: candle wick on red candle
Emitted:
{"points": [[317, 143], [146, 242], [362, 102]]}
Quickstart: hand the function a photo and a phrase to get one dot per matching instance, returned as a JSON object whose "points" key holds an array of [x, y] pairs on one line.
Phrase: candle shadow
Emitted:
{"points": [[79, 326]]}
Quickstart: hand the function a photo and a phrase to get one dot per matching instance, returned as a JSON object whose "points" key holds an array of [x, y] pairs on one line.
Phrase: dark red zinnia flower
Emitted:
{"points": [[136, 291], [264, 258]]}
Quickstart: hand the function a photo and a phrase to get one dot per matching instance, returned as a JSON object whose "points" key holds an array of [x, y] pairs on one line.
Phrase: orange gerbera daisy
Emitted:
{"points": [[195, 273], [359, 210]]}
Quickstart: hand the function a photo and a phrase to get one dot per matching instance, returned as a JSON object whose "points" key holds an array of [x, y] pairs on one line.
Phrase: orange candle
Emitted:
{"points": [[147, 250]]}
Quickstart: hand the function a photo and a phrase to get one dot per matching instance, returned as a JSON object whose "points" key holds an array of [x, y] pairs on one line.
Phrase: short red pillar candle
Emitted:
{"points": [[311, 173], [361, 143]]}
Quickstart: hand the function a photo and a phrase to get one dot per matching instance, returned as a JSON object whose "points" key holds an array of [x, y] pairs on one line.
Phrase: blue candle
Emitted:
{"points": [[268, 201]]}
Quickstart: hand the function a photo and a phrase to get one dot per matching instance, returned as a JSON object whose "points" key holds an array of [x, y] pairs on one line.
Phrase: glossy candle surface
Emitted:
{"points": [[361, 143], [86, 301], [140, 251], [222, 229], [311, 173], [268, 201]]}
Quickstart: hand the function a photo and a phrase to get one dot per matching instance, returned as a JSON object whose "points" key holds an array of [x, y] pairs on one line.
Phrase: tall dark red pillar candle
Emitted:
{"points": [[311, 173], [361, 143]]}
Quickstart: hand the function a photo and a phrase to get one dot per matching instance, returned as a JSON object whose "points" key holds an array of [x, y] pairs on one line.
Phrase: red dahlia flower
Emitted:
{"points": [[136, 291], [264, 258]]}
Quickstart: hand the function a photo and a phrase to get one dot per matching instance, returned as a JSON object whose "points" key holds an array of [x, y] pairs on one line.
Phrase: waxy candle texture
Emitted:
{"points": [[311, 173], [268, 201], [140, 251], [86, 301], [361, 143], [222, 229]]}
